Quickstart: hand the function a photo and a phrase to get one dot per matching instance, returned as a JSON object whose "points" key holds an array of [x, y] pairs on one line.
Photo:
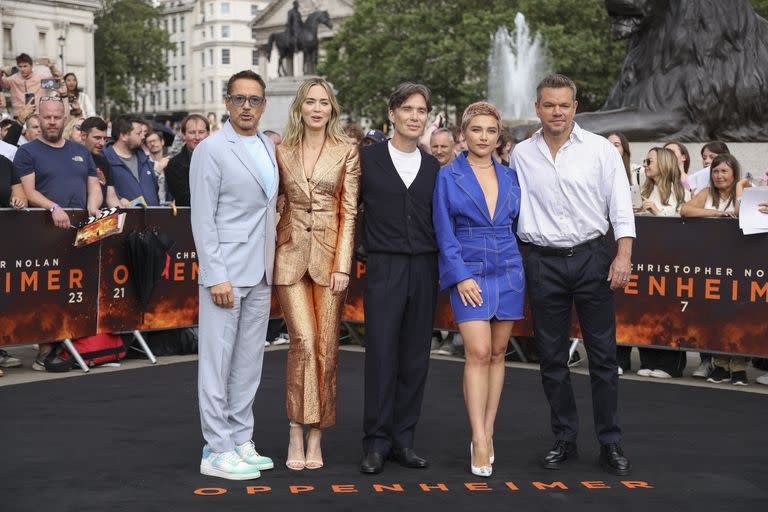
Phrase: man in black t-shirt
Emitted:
{"points": [[94, 130]]}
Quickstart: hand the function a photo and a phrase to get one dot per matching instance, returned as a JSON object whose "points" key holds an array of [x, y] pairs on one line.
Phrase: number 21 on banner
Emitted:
{"points": [[685, 304]]}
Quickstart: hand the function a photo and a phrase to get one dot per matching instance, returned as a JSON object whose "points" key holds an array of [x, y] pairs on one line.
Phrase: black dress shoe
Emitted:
{"points": [[407, 457], [372, 463], [560, 452], [612, 460]]}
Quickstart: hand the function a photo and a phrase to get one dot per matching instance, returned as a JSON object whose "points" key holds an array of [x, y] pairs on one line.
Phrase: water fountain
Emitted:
{"points": [[515, 66]]}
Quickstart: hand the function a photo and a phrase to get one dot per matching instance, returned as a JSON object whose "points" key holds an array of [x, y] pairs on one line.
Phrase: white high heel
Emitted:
{"points": [[484, 471], [493, 453]]}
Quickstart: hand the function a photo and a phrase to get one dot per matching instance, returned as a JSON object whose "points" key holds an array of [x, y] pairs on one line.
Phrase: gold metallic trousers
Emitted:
{"points": [[312, 314]]}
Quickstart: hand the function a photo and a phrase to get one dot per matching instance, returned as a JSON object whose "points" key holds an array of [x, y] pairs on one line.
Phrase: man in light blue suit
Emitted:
{"points": [[233, 185]]}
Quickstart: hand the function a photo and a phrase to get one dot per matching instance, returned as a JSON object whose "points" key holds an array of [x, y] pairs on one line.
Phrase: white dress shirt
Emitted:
{"points": [[568, 201], [407, 164]]}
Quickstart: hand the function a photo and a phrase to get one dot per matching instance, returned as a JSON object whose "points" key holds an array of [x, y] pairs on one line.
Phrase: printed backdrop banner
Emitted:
{"points": [[48, 289], [697, 284]]}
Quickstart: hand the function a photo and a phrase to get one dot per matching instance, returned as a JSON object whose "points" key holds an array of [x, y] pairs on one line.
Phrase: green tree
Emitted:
{"points": [[130, 50], [761, 7], [445, 44], [578, 37]]}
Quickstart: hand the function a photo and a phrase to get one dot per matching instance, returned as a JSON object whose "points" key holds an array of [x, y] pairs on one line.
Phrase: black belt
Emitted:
{"points": [[569, 251]]}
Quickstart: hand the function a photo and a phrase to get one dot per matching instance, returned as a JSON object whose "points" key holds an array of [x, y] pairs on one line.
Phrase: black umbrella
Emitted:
{"points": [[165, 131], [147, 260]]}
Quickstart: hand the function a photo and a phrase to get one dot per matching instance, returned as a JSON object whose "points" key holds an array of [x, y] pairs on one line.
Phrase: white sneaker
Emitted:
{"points": [[281, 340], [621, 371], [247, 452], [763, 379], [447, 348], [227, 465], [703, 370], [644, 372], [8, 361], [660, 374]]}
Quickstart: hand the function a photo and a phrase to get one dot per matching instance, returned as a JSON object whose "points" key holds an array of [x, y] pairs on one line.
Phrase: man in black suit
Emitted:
{"points": [[397, 183], [194, 128]]}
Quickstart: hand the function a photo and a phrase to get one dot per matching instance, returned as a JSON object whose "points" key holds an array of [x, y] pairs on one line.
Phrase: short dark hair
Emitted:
{"points": [[6, 122], [406, 90], [24, 58], [124, 124], [555, 81], [155, 132], [196, 117], [91, 123], [246, 74], [716, 147]]}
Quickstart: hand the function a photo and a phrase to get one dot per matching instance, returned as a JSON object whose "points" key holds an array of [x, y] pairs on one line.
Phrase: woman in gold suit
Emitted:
{"points": [[319, 183]]}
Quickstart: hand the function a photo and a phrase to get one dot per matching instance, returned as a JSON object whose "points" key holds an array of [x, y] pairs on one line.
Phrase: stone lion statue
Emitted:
{"points": [[695, 70]]}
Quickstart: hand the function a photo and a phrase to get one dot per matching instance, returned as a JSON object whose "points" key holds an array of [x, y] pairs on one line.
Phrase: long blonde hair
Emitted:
{"points": [[669, 179], [294, 130]]}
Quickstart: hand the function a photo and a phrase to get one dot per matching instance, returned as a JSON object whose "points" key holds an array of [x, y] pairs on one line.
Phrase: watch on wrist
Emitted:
{"points": [[54, 207]]}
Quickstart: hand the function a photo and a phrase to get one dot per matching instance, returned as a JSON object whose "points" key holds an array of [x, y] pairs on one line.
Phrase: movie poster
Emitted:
{"points": [[48, 288]]}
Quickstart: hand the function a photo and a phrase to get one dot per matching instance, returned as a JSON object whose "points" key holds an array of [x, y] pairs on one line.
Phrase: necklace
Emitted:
{"points": [[480, 166]]}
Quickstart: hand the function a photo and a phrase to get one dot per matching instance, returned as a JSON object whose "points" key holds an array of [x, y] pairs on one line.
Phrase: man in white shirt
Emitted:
{"points": [[573, 183]]}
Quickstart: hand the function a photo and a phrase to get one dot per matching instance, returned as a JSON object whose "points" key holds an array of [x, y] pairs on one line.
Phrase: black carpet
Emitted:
{"points": [[131, 441]]}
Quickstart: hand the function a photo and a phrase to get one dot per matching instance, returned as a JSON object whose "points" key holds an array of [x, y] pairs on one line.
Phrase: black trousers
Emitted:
{"points": [[555, 284], [400, 295]]}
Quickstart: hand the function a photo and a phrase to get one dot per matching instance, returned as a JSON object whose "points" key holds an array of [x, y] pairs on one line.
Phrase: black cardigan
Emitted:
{"points": [[397, 219]]}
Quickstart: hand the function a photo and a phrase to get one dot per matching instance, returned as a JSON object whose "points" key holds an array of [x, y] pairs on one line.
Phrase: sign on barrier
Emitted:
{"points": [[697, 284]]}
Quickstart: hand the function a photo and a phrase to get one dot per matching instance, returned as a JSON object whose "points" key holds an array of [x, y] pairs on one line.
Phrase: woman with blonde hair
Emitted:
{"points": [[663, 196], [319, 184], [475, 209], [663, 191]]}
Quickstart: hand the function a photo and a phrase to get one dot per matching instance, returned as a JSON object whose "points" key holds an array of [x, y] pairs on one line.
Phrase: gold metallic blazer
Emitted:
{"points": [[316, 231]]}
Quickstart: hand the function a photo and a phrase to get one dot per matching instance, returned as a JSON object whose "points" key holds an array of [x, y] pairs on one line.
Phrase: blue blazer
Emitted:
{"points": [[474, 245]]}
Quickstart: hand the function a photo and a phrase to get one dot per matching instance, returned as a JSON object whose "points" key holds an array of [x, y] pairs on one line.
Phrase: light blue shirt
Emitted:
{"points": [[260, 156]]}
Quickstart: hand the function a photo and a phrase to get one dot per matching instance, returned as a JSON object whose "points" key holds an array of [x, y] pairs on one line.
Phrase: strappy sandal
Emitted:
{"points": [[314, 464], [295, 464]]}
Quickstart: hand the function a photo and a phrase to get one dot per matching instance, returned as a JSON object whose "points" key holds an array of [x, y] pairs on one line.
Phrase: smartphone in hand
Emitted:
{"points": [[29, 97]]}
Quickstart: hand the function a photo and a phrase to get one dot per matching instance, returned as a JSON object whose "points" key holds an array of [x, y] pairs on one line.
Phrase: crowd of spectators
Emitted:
{"points": [[57, 153]]}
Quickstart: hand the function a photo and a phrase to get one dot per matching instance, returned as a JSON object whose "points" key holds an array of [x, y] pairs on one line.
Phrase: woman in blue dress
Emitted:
{"points": [[476, 204]]}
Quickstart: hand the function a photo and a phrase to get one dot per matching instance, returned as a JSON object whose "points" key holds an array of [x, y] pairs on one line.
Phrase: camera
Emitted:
{"points": [[50, 83]]}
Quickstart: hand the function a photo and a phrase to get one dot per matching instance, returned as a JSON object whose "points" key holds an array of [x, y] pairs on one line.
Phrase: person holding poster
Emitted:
{"points": [[476, 204], [233, 185], [319, 181], [573, 185]]}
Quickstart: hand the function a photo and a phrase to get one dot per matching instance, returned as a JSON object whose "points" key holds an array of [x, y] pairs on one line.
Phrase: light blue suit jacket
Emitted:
{"points": [[233, 215]]}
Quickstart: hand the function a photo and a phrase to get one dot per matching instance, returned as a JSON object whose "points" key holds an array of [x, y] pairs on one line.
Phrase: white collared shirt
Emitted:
{"points": [[569, 200]]}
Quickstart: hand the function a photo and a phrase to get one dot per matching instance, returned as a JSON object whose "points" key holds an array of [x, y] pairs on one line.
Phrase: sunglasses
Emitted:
{"points": [[239, 100], [50, 98], [647, 162]]}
